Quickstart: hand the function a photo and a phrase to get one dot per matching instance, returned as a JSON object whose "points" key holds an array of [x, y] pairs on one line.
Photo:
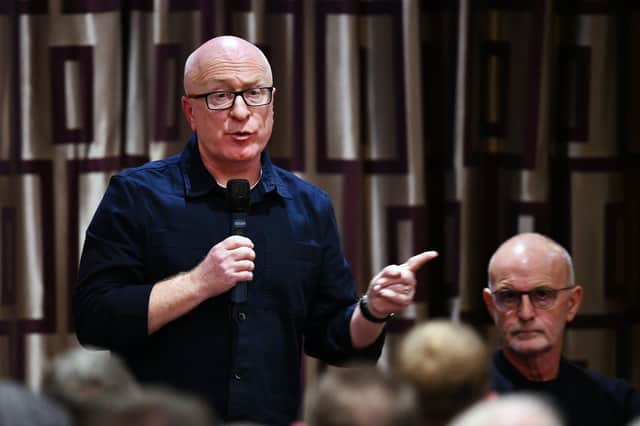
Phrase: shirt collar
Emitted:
{"points": [[198, 181]]}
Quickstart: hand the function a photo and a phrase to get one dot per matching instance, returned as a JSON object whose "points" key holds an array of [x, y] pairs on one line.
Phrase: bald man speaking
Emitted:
{"points": [[159, 261]]}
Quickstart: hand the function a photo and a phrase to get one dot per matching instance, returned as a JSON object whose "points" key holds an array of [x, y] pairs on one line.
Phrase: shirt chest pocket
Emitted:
{"points": [[291, 275], [171, 252]]}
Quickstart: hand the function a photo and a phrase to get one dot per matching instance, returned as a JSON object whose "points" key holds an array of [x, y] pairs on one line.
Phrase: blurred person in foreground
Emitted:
{"points": [[19, 406], [531, 296], [523, 409], [447, 363], [83, 380], [155, 406], [159, 263], [360, 395]]}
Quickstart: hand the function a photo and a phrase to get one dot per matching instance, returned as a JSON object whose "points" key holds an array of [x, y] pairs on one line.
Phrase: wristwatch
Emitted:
{"points": [[367, 313]]}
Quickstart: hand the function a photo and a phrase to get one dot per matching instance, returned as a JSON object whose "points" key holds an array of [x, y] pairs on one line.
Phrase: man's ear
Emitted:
{"points": [[575, 300], [187, 109], [488, 301]]}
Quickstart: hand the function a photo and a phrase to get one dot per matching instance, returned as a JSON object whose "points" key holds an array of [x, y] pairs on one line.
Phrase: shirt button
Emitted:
{"points": [[242, 316], [237, 376]]}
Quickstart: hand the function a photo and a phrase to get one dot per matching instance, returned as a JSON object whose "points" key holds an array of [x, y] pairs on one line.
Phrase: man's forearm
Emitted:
{"points": [[171, 299], [363, 332]]}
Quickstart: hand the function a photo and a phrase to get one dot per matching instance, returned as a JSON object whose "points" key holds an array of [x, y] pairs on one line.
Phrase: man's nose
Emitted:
{"points": [[239, 109], [525, 310]]}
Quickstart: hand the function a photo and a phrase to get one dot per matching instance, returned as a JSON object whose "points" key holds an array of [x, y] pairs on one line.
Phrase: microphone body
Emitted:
{"points": [[238, 198]]}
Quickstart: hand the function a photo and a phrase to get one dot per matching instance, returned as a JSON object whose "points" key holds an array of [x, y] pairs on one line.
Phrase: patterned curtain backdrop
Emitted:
{"points": [[435, 124]]}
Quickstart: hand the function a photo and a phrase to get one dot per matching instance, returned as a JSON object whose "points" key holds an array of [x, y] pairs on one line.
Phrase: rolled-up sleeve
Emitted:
{"points": [[327, 334]]}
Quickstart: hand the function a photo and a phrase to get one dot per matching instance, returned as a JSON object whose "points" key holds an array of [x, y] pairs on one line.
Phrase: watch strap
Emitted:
{"points": [[364, 308]]}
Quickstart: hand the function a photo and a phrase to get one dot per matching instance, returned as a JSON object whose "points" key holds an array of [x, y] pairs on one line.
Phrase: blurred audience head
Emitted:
{"points": [[447, 363], [358, 396], [517, 409], [82, 379], [635, 422], [20, 406], [156, 406]]}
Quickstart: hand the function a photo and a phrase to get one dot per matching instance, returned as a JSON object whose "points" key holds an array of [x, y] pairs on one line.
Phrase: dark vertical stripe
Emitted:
{"points": [[298, 154], [8, 250], [534, 90], [351, 220], [15, 368], [206, 20], [47, 213], [14, 112], [125, 40], [73, 206], [624, 359]]}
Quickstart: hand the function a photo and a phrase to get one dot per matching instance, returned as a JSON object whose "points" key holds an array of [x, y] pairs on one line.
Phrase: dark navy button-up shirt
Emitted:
{"points": [[162, 218], [582, 396]]}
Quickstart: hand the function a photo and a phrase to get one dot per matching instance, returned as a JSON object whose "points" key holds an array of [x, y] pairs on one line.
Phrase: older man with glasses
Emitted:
{"points": [[531, 296]]}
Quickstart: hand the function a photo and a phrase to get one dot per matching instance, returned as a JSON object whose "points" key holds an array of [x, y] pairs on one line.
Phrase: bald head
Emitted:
{"points": [[521, 409], [529, 249], [219, 58]]}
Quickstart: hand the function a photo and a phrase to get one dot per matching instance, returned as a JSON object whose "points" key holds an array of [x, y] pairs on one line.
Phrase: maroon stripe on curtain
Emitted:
{"points": [[573, 83], [283, 6], [500, 53], [616, 258], [8, 251], [511, 5], [142, 5], [340, 6], [450, 254], [588, 7], [167, 55], [90, 6], [351, 220], [15, 116], [29, 7]]}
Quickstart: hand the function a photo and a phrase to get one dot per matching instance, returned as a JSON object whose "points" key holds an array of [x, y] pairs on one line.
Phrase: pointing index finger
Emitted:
{"points": [[416, 262]]}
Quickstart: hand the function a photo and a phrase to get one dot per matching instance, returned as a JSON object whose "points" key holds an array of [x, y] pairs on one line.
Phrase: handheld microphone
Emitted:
{"points": [[238, 198]]}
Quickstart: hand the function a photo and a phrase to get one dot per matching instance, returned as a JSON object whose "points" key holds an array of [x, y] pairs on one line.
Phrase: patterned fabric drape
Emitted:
{"points": [[434, 124]]}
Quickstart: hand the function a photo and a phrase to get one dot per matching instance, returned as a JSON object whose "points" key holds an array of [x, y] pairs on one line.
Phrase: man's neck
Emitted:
{"points": [[538, 367], [221, 174]]}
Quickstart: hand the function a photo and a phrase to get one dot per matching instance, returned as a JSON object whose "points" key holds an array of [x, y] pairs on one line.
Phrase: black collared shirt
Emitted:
{"points": [[162, 218]]}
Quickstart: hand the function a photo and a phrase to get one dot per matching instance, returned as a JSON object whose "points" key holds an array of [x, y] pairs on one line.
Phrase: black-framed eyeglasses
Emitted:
{"points": [[224, 99], [540, 297]]}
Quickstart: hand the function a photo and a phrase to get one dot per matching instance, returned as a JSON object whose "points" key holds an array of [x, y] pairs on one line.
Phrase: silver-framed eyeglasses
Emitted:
{"points": [[543, 298], [224, 99]]}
